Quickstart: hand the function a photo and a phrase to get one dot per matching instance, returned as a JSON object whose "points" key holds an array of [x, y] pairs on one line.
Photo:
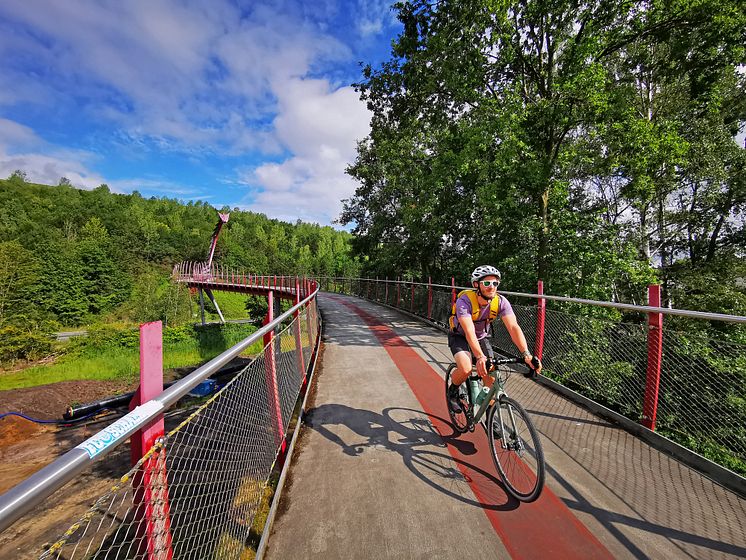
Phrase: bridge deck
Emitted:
{"points": [[378, 474]]}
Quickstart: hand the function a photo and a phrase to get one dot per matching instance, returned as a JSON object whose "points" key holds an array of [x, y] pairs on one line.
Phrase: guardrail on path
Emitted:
{"points": [[194, 494], [686, 385]]}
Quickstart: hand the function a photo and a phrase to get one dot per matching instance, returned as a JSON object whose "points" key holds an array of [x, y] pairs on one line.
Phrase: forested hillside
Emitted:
{"points": [[70, 257], [595, 145]]}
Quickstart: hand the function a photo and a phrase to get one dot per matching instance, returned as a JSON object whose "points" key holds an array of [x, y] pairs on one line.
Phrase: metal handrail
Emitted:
{"points": [[624, 306], [26, 495]]}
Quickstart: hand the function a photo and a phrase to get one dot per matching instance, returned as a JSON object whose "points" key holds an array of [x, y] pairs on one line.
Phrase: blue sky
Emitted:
{"points": [[245, 104]]}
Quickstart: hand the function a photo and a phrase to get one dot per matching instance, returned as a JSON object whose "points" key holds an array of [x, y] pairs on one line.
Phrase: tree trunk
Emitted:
{"points": [[714, 238], [644, 240]]}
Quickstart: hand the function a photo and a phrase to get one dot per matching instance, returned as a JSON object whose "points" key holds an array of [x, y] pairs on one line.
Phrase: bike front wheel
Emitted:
{"points": [[516, 449], [459, 419]]}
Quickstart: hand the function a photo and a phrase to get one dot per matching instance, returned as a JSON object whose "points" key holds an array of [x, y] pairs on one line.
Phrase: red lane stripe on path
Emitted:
{"points": [[543, 529]]}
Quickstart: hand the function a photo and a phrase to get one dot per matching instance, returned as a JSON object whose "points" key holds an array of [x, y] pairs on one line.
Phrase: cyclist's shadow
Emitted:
{"points": [[442, 471]]}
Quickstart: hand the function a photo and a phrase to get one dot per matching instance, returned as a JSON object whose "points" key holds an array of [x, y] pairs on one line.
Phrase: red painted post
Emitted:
{"points": [[453, 290], [429, 297], [311, 341], [655, 353], [150, 482], [270, 369], [541, 308], [298, 342], [223, 219]]}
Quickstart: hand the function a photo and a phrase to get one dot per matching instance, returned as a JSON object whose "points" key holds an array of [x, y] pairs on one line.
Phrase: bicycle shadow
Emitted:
{"points": [[442, 471]]}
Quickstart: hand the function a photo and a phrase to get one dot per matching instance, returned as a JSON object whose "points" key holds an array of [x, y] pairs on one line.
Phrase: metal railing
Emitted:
{"points": [[196, 492], [700, 394], [215, 274]]}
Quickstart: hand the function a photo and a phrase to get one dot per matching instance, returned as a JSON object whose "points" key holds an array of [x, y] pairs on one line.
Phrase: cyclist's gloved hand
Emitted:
{"points": [[534, 365]]}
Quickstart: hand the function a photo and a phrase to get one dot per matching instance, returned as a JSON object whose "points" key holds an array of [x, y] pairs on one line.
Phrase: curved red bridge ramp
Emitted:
{"points": [[543, 529]]}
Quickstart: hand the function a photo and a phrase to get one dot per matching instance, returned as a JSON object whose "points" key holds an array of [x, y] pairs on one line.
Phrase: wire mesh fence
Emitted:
{"points": [[603, 355], [196, 493]]}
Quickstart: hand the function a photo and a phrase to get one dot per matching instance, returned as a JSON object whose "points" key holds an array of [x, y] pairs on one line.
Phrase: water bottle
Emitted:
{"points": [[474, 389], [482, 395]]}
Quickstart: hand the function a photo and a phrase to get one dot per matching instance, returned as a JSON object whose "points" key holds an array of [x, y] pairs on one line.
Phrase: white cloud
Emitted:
{"points": [[191, 78], [374, 16], [16, 134], [21, 149], [190, 73], [48, 170], [321, 127]]}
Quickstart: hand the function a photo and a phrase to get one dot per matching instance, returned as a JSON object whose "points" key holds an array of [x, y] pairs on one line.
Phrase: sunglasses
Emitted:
{"points": [[488, 283]]}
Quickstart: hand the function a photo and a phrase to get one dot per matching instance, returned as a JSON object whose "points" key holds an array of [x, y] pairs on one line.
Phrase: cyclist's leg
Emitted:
{"points": [[462, 356], [487, 347]]}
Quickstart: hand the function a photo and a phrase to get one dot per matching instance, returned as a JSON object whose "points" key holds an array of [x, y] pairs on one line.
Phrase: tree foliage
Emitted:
{"points": [[76, 257], [589, 144]]}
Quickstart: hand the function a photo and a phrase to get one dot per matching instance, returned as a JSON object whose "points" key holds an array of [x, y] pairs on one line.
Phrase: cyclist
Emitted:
{"points": [[469, 333]]}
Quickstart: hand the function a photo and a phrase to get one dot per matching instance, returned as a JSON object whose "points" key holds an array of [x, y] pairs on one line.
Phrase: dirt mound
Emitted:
{"points": [[15, 429], [49, 402]]}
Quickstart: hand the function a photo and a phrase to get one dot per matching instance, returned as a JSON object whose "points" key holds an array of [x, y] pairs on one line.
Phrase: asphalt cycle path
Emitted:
{"points": [[379, 472]]}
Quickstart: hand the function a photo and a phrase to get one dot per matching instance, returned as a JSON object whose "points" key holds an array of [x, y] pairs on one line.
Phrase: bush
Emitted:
{"points": [[17, 343]]}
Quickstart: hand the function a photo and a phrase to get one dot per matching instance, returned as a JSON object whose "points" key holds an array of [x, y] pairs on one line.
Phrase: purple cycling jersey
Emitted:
{"points": [[463, 309]]}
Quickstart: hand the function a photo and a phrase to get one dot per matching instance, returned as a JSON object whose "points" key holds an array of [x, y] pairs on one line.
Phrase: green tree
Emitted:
{"points": [[105, 283], [480, 104], [18, 177], [19, 271]]}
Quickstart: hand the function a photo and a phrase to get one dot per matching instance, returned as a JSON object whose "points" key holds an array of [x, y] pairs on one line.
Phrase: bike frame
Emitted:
{"points": [[496, 391]]}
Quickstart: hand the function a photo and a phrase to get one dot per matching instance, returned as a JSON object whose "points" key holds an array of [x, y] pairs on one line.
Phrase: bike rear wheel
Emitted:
{"points": [[516, 449], [459, 420]]}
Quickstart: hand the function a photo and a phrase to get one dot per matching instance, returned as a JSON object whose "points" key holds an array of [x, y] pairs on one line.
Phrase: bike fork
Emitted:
{"points": [[518, 445]]}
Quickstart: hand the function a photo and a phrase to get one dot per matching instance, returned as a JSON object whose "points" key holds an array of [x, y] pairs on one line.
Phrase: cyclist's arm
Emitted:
{"points": [[476, 349], [516, 335]]}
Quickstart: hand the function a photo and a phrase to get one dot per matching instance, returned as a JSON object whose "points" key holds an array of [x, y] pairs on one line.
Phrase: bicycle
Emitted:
{"points": [[514, 441]]}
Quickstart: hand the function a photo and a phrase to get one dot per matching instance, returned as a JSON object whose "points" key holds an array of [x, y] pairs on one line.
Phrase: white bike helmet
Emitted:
{"points": [[484, 270]]}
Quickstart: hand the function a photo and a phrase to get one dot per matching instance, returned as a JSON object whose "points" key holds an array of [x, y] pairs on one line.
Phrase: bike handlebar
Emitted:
{"points": [[499, 361], [494, 362]]}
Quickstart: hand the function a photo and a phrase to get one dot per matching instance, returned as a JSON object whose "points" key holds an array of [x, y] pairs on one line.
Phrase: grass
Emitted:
{"points": [[122, 364], [233, 306]]}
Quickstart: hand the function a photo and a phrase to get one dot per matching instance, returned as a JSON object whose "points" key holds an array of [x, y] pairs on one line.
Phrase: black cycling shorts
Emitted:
{"points": [[458, 343]]}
